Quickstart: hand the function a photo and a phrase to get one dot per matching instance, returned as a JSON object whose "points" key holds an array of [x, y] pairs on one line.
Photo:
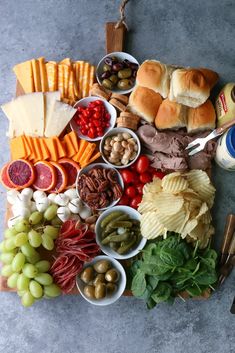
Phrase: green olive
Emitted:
{"points": [[89, 292], [112, 275], [107, 83], [114, 58], [100, 291], [87, 275], [113, 78], [124, 84], [124, 73], [106, 67], [111, 288], [102, 266], [100, 278]]}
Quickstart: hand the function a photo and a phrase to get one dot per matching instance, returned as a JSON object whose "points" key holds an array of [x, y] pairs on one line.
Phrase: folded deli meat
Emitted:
{"points": [[167, 150]]}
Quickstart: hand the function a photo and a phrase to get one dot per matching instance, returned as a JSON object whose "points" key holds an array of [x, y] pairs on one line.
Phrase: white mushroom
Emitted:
{"points": [[71, 193], [63, 213], [61, 200], [75, 205]]}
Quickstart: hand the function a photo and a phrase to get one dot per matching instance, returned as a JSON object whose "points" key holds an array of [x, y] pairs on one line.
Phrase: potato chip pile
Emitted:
{"points": [[178, 203]]}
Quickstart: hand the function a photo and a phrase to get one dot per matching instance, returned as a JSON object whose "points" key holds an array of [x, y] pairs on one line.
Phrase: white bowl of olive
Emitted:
{"points": [[102, 281], [117, 72]]}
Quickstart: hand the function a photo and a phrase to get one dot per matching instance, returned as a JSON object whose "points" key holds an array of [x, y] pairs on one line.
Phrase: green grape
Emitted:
{"points": [[33, 259], [35, 217], [6, 271], [18, 262], [51, 231], [22, 282], [44, 278], [35, 289], [21, 292], [47, 242], [3, 247], [35, 238], [7, 257], [10, 244], [56, 221], [43, 266], [10, 232], [52, 290], [22, 226], [21, 239], [30, 270], [50, 212], [28, 250], [27, 299], [12, 280]]}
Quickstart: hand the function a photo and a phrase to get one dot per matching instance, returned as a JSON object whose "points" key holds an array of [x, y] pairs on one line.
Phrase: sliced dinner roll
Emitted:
{"points": [[145, 103], [171, 115], [189, 87], [201, 118], [154, 75]]}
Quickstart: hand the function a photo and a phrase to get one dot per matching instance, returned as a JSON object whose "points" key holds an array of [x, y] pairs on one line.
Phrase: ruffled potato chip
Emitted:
{"points": [[174, 184], [167, 203], [153, 187], [150, 226], [172, 222]]}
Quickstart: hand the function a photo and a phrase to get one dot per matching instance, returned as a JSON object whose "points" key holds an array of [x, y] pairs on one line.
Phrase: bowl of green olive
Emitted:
{"points": [[102, 281], [118, 232], [117, 72]]}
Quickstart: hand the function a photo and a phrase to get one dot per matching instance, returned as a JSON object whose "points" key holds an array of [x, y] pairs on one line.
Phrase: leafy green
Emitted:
{"points": [[170, 266]]}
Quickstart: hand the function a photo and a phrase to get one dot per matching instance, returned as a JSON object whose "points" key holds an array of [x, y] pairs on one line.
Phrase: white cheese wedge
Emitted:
{"points": [[12, 112], [32, 105], [61, 115], [50, 99]]}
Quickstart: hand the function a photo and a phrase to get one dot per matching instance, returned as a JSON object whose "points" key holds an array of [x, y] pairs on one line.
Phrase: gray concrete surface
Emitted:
{"points": [[187, 32]]}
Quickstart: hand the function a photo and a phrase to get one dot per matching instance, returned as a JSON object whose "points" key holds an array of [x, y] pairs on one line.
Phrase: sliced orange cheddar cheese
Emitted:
{"points": [[17, 148], [31, 144], [93, 158], [82, 147], [52, 75], [70, 150], [43, 74], [51, 148], [45, 153], [61, 80], [36, 75], [85, 78], [27, 147], [87, 153], [74, 139], [91, 78], [66, 61], [37, 145], [79, 74], [24, 74], [60, 148], [66, 72]]}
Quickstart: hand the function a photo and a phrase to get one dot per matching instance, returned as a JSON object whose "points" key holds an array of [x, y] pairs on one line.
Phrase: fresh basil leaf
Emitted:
{"points": [[206, 277], [156, 269], [208, 262], [138, 285], [171, 242], [184, 249], [162, 292], [147, 293], [210, 254], [191, 264], [171, 257], [194, 291]]}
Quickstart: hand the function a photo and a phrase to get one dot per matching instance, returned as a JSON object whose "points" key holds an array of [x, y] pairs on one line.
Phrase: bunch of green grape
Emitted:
{"points": [[23, 266]]}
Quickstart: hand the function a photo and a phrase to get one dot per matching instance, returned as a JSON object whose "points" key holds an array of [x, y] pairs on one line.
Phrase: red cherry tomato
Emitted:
{"points": [[127, 176], [159, 174], [142, 164], [130, 191], [145, 178], [136, 201], [133, 166], [139, 188], [124, 200], [136, 178]]}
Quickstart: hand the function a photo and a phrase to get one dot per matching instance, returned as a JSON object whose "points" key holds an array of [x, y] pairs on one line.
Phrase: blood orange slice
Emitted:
{"points": [[61, 177], [45, 178], [72, 169], [4, 177], [20, 173]]}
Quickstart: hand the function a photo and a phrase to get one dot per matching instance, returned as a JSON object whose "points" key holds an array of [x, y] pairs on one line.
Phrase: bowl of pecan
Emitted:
{"points": [[99, 186]]}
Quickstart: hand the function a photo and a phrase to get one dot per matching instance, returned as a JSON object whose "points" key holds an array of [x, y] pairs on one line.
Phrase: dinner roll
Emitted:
{"points": [[201, 118], [145, 103], [171, 115], [154, 75], [210, 76], [189, 87]]}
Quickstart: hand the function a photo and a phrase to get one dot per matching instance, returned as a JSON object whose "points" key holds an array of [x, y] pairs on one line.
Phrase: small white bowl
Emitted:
{"points": [[121, 283], [115, 131], [105, 166], [84, 103], [121, 56], [106, 249]]}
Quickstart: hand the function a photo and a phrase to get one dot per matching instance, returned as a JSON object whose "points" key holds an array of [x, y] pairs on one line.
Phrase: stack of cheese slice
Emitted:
{"points": [[37, 114]]}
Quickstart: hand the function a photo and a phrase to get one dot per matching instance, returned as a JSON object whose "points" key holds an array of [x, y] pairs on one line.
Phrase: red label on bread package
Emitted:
{"points": [[223, 102]]}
